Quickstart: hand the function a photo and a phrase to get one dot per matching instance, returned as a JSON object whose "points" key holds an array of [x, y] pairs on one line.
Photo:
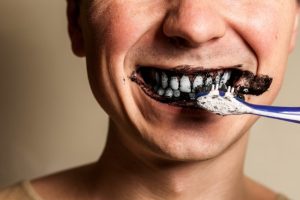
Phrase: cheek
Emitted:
{"points": [[262, 33], [121, 34], [121, 26], [266, 27], [268, 33], [110, 35], [268, 37]]}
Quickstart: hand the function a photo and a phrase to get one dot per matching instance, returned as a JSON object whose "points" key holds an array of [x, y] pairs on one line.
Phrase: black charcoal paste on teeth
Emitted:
{"points": [[181, 101], [244, 82], [247, 83], [135, 77]]}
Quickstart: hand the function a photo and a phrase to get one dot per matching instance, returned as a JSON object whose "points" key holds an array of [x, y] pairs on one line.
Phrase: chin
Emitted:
{"points": [[194, 141]]}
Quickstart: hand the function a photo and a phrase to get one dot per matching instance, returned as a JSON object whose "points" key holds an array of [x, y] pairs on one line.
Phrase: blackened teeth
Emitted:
{"points": [[180, 88]]}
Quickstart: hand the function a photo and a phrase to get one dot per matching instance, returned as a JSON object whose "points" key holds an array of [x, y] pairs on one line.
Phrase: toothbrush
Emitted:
{"points": [[226, 103]]}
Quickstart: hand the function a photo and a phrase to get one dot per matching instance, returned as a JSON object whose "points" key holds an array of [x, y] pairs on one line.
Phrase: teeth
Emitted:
{"points": [[185, 84], [160, 91], [218, 78], [169, 93], [209, 81], [176, 93], [174, 83], [245, 90], [225, 78], [198, 82], [164, 80], [173, 86]]}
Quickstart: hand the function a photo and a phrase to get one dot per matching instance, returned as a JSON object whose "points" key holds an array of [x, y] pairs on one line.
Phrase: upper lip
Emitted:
{"points": [[193, 69]]}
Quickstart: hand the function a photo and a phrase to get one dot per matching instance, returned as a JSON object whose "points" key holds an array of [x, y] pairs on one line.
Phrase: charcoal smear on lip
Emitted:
{"points": [[179, 86], [252, 84]]}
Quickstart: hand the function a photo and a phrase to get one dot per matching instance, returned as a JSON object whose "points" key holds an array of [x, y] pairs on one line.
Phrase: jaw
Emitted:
{"points": [[174, 132], [181, 131], [186, 134]]}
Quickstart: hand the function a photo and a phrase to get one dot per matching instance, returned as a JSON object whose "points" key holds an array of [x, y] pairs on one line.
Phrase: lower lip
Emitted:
{"points": [[176, 110]]}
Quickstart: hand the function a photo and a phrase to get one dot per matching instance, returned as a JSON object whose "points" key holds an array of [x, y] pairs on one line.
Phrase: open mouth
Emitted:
{"points": [[179, 86]]}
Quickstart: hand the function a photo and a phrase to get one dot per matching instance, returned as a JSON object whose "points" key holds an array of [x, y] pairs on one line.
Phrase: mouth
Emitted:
{"points": [[179, 86]]}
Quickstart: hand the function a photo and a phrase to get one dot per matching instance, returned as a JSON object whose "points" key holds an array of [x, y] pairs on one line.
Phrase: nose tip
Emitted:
{"points": [[191, 24]]}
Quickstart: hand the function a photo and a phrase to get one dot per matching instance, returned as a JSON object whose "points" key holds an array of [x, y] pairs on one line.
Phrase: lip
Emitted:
{"points": [[190, 69], [197, 113]]}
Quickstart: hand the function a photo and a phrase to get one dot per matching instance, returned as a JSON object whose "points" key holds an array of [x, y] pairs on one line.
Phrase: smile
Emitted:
{"points": [[179, 86]]}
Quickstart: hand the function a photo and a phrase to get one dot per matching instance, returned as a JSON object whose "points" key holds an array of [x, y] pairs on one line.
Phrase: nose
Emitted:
{"points": [[191, 23]]}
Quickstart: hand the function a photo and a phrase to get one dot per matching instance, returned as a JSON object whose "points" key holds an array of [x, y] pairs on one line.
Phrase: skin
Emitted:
{"points": [[157, 151]]}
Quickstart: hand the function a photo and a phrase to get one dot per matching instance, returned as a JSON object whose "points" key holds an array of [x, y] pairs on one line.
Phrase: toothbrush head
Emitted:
{"points": [[222, 103]]}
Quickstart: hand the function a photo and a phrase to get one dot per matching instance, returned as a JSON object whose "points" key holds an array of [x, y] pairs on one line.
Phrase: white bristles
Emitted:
{"points": [[229, 89], [232, 90], [214, 89], [223, 105]]}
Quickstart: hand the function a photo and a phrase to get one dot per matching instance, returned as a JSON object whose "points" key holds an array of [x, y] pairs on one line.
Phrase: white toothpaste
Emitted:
{"points": [[222, 105]]}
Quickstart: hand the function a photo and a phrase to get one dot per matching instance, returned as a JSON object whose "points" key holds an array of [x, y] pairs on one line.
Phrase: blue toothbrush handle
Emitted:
{"points": [[291, 114]]}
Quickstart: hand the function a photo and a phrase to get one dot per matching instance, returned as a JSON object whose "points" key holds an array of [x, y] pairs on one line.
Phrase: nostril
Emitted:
{"points": [[179, 42]]}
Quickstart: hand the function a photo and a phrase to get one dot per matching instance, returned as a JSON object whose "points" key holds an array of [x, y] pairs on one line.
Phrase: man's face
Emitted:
{"points": [[122, 36]]}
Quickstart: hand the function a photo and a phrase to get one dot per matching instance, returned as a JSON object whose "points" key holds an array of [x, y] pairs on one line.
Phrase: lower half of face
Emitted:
{"points": [[146, 67]]}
